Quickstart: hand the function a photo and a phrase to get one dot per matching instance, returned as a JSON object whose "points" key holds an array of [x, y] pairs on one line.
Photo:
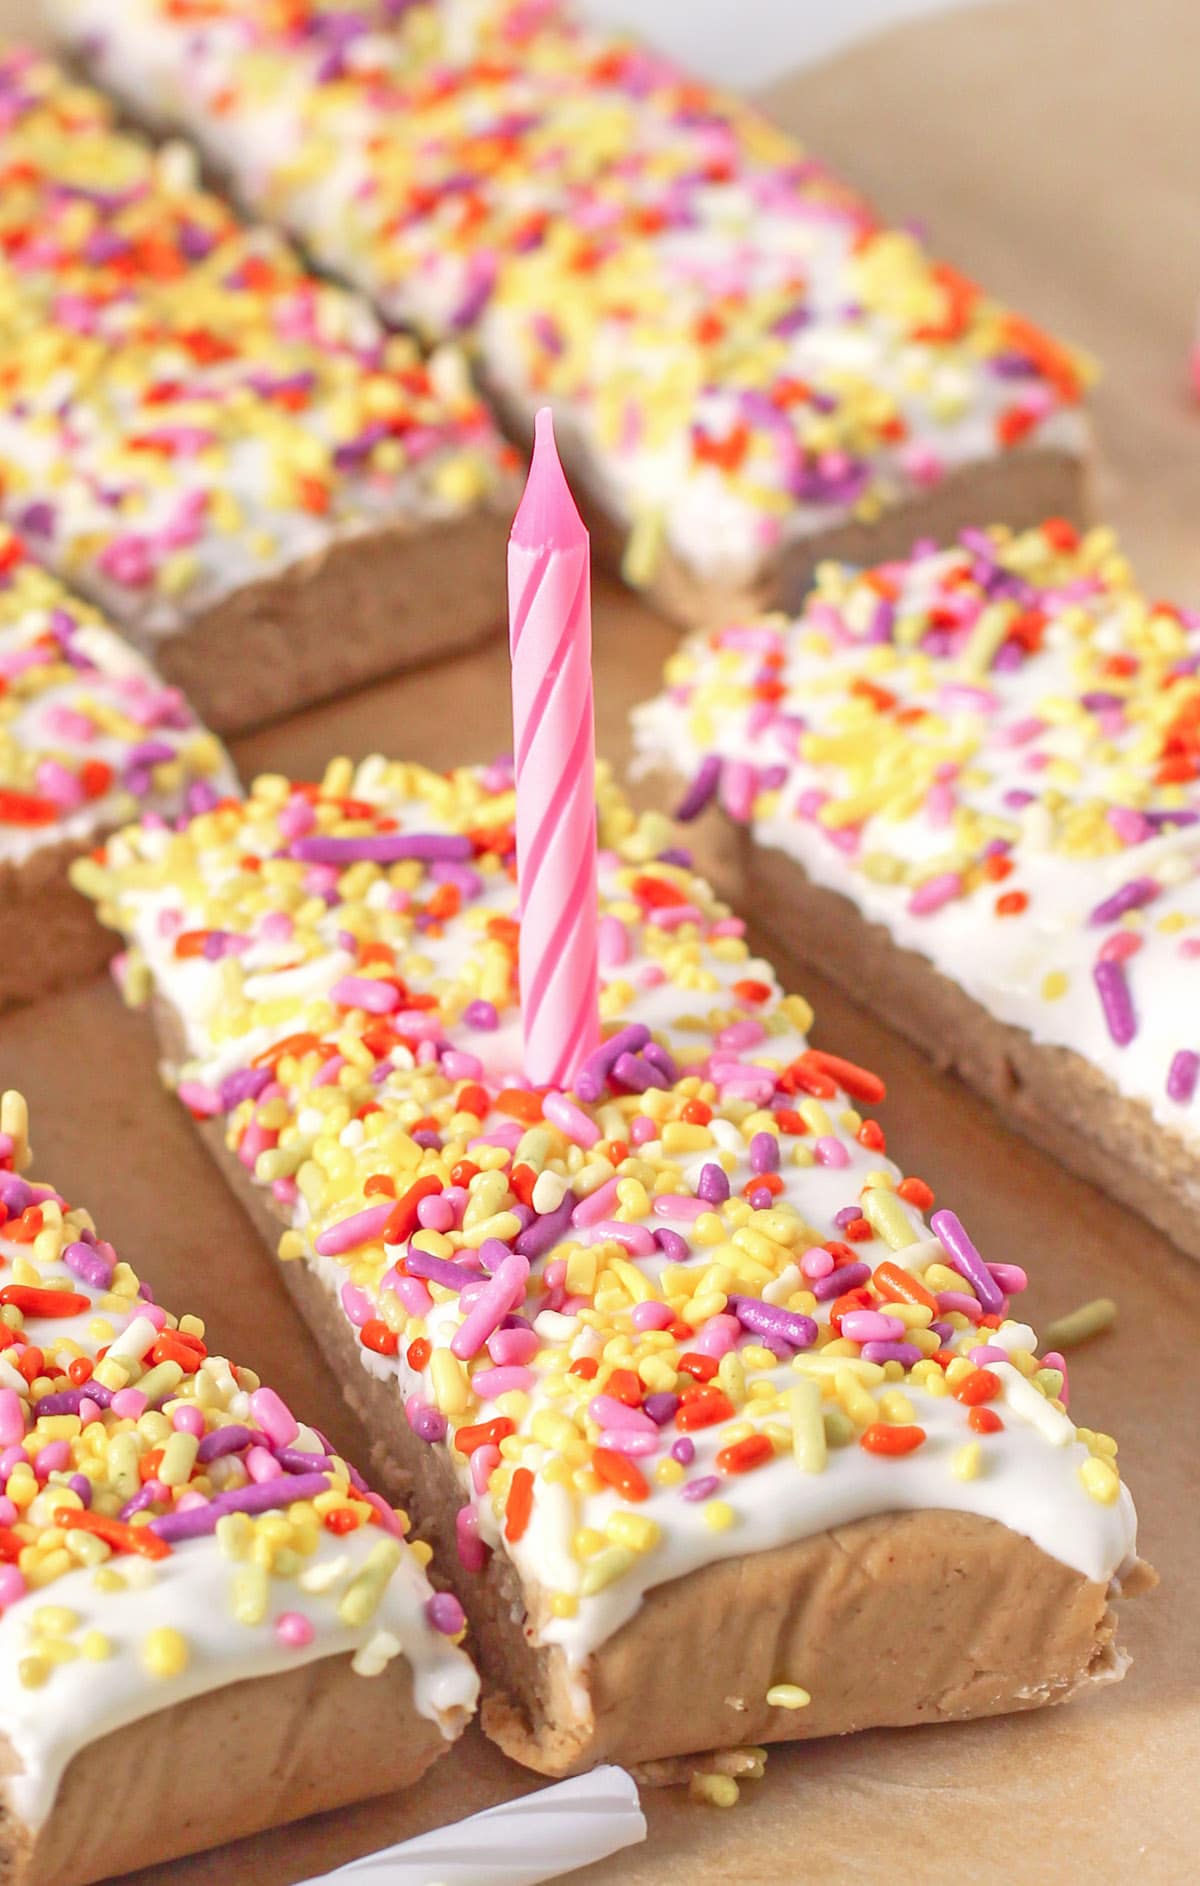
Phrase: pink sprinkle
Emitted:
{"points": [[274, 1417], [570, 1119], [186, 1418], [361, 1227], [590, 1210], [366, 992], [294, 1629], [871, 1326], [503, 1291], [329, 1070], [739, 787], [491, 1383], [261, 1464], [256, 1139], [988, 1352], [679, 1205], [935, 892], [12, 1418], [129, 1404], [636, 1239], [828, 1151], [12, 1586], [1053, 1359], [729, 926], [419, 1024], [612, 943], [357, 1305], [1010, 1278], [412, 1293], [472, 1553], [513, 1346], [484, 1462], [651, 1316], [632, 1440], [816, 1262], [436, 1213], [607, 1412], [740, 1035], [651, 977], [200, 1100], [718, 1336], [1120, 947], [641, 1129]]}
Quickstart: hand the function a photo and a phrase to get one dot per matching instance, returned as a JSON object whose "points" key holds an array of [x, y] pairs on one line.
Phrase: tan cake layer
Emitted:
{"points": [[316, 1737], [1023, 488], [48, 936], [838, 1612], [1050, 1094], [374, 603]]}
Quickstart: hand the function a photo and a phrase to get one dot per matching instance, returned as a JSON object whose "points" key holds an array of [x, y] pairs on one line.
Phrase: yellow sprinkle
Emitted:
{"points": [[809, 1447], [165, 1652], [886, 1215], [718, 1516], [1088, 1320], [788, 1696], [1101, 1480], [714, 1790], [967, 1462]]}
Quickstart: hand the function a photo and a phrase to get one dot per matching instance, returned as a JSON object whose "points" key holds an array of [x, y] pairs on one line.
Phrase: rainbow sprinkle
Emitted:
{"points": [[739, 351], [166, 1522], [994, 750], [89, 736], [687, 1308], [183, 409]]}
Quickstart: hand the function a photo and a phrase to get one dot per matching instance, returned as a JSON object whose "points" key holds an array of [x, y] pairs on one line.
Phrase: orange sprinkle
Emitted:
{"points": [[980, 1386], [984, 1421], [703, 1409], [418, 1353], [858, 1082], [743, 1456], [376, 1335], [34, 1302], [519, 1505], [618, 1471], [484, 1434], [916, 1192], [114, 1532], [900, 1287], [891, 1442]]}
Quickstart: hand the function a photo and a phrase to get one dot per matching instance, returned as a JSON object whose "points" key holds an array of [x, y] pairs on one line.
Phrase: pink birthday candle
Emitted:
{"points": [[550, 630]]}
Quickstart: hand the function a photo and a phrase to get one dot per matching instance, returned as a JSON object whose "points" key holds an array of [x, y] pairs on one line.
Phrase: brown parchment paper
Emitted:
{"points": [[1055, 150]]}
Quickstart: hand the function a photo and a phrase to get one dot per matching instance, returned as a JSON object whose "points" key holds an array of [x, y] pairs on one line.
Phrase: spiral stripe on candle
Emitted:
{"points": [[556, 810]]}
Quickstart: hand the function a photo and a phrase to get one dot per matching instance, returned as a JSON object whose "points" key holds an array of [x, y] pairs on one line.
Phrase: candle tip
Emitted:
{"points": [[547, 513]]}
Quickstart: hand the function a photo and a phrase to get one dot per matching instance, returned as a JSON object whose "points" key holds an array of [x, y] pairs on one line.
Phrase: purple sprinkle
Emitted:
{"points": [[227, 1440], [1131, 896], [262, 1496], [547, 1231], [142, 1498], [438, 1270], [379, 848], [67, 1402], [905, 1353], [701, 791], [429, 1424], [702, 1489], [1182, 1077], [768, 1319], [684, 1450], [659, 1058], [637, 1074], [445, 1613], [79, 1483], [825, 1289], [91, 1264], [673, 1247], [295, 1460], [590, 1080], [761, 1198], [482, 1015], [1112, 985], [849, 1215], [660, 1407], [948, 1229], [246, 1083], [713, 1184], [764, 1153]]}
